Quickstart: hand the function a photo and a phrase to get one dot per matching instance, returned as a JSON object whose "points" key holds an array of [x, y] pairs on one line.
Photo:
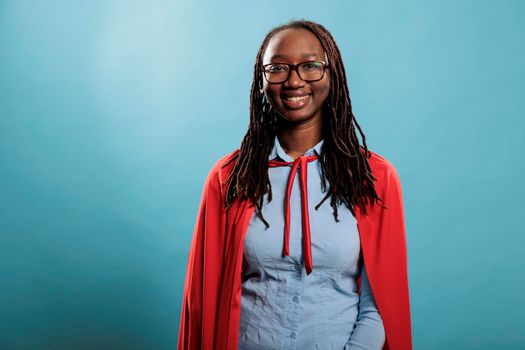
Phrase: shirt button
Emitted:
{"points": [[295, 299], [292, 334]]}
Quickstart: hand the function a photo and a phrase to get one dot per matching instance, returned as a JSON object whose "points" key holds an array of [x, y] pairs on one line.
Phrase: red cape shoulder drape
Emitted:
{"points": [[210, 316]]}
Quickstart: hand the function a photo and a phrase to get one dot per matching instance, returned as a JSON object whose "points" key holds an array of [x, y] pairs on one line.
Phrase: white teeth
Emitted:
{"points": [[296, 98]]}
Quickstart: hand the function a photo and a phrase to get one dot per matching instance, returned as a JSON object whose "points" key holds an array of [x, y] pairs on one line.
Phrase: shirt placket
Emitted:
{"points": [[295, 285]]}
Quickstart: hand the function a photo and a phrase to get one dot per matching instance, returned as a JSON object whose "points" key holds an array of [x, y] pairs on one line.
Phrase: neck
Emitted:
{"points": [[296, 139]]}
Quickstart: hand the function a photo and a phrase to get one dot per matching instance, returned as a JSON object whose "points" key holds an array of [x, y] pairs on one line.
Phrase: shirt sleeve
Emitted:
{"points": [[369, 333]]}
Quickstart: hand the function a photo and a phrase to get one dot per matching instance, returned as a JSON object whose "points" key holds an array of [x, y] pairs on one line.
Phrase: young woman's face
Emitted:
{"points": [[295, 46]]}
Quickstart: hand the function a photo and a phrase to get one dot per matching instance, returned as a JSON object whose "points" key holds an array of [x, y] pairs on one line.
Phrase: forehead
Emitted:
{"points": [[293, 44]]}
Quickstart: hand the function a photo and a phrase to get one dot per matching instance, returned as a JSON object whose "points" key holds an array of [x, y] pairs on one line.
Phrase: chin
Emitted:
{"points": [[296, 116]]}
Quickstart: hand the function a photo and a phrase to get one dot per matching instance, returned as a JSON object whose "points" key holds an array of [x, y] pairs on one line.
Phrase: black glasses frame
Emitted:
{"points": [[294, 67]]}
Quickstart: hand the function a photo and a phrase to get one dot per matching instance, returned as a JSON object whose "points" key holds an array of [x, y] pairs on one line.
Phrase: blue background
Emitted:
{"points": [[112, 113]]}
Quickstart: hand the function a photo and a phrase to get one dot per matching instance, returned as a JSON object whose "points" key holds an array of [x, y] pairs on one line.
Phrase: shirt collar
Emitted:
{"points": [[277, 151]]}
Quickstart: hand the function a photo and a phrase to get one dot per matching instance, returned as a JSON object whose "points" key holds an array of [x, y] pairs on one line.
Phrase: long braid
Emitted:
{"points": [[344, 162]]}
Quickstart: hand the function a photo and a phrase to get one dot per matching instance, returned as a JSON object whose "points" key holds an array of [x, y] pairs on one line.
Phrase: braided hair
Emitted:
{"points": [[344, 162]]}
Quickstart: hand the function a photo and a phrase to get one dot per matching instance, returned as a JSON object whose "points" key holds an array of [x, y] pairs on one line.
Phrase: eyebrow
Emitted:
{"points": [[305, 55]]}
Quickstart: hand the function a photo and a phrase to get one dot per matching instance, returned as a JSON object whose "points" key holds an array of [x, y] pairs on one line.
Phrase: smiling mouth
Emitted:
{"points": [[296, 98]]}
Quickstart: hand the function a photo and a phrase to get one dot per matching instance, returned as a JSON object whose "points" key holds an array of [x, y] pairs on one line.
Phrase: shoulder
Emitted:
{"points": [[380, 163], [382, 169], [219, 172], [224, 164]]}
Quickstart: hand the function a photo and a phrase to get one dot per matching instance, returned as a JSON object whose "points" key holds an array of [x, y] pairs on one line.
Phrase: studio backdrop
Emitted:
{"points": [[113, 112]]}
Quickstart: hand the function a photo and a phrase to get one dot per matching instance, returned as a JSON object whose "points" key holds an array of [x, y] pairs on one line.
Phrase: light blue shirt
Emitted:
{"points": [[284, 308]]}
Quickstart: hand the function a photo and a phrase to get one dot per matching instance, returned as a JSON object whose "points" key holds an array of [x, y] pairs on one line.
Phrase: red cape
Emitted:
{"points": [[211, 304]]}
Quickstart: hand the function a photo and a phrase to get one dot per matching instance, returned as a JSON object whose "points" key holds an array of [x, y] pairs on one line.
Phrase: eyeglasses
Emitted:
{"points": [[308, 71]]}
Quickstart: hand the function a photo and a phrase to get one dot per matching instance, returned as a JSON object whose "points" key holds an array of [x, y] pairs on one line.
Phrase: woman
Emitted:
{"points": [[271, 273]]}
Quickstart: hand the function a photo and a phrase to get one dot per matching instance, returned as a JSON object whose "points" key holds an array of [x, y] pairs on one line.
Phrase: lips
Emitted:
{"points": [[296, 101]]}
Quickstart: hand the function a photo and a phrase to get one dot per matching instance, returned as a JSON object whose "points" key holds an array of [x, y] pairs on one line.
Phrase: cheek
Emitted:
{"points": [[271, 94], [327, 84], [326, 90], [323, 92], [323, 89]]}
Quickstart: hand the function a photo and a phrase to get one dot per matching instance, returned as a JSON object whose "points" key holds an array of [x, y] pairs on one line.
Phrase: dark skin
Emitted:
{"points": [[301, 124]]}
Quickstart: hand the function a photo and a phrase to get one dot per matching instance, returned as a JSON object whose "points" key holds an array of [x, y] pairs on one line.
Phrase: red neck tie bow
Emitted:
{"points": [[301, 162]]}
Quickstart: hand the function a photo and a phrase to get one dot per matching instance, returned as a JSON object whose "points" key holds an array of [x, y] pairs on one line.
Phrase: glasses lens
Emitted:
{"points": [[311, 70], [276, 73]]}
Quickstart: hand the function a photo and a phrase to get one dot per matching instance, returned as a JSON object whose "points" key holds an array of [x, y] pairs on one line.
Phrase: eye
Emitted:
{"points": [[313, 65], [277, 68]]}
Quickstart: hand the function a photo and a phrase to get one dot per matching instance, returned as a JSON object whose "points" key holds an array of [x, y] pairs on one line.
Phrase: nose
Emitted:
{"points": [[294, 80]]}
